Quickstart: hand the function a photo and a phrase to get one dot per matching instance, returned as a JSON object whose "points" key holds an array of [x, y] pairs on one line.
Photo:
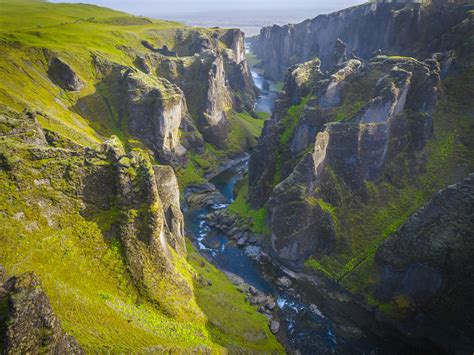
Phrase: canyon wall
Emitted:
{"points": [[359, 32]]}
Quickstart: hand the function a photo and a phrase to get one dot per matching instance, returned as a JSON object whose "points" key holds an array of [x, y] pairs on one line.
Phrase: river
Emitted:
{"points": [[303, 328]]}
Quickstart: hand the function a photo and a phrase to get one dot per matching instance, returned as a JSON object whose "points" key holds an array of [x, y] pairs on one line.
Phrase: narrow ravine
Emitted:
{"points": [[303, 326]]}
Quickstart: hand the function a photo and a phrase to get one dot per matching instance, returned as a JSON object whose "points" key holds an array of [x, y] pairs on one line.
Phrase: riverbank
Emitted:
{"points": [[308, 314]]}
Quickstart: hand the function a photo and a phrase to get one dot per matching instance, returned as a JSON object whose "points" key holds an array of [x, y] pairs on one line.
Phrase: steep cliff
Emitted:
{"points": [[397, 103], [92, 231], [391, 28], [349, 155]]}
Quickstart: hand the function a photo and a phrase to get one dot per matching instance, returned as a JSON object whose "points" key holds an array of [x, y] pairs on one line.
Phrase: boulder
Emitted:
{"points": [[284, 282], [241, 242], [274, 326]]}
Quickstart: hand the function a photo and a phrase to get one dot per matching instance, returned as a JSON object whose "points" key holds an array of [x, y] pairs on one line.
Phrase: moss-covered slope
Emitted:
{"points": [[101, 51], [96, 218]]}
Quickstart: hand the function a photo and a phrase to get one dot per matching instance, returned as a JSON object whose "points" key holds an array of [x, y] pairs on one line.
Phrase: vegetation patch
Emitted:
{"points": [[241, 207], [233, 322]]}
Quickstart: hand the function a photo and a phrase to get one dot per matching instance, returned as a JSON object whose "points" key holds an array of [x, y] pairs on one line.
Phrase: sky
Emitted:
{"points": [[155, 8]]}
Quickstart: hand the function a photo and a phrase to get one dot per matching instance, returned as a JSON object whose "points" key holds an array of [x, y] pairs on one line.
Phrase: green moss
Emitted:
{"points": [[264, 115], [348, 110], [399, 57], [232, 322], [397, 309], [244, 132], [316, 265], [279, 86], [241, 208], [189, 175], [290, 121]]}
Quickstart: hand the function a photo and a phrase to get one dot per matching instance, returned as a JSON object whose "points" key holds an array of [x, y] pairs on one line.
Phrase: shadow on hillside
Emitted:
{"points": [[104, 108]]}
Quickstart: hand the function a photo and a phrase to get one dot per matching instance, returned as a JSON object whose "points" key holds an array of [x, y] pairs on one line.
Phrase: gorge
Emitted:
{"points": [[176, 189]]}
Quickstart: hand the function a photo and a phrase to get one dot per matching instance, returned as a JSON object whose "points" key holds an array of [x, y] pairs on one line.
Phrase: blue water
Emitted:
{"points": [[304, 330], [268, 93]]}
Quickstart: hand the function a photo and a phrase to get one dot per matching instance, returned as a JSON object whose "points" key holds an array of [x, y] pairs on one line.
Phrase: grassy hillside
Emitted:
{"points": [[29, 29], [43, 224], [83, 36]]}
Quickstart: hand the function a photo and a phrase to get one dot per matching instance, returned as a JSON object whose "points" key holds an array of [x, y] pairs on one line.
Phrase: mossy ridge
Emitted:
{"points": [[82, 273]]}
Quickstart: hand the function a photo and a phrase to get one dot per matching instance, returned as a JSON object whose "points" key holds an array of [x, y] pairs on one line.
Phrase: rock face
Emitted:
{"points": [[157, 111], [427, 263], [168, 191], [213, 121], [397, 103], [152, 231], [360, 31], [179, 98], [214, 80], [62, 74], [27, 322]]}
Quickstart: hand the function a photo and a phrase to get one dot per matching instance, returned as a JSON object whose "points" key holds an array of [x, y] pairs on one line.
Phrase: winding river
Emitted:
{"points": [[303, 326]]}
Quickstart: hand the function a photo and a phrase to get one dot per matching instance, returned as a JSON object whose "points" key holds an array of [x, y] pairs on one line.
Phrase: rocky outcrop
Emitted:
{"points": [[213, 122], [27, 321], [425, 269], [301, 79], [399, 99], [63, 75], [203, 195], [215, 79], [332, 93], [151, 231], [157, 111], [388, 28], [168, 191]]}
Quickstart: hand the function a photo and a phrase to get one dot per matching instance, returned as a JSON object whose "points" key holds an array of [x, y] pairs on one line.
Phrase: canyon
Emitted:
{"points": [[168, 188]]}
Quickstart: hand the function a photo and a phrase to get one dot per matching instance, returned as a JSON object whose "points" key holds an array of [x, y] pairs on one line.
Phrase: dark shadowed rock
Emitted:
{"points": [[27, 322], [427, 263], [63, 75]]}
